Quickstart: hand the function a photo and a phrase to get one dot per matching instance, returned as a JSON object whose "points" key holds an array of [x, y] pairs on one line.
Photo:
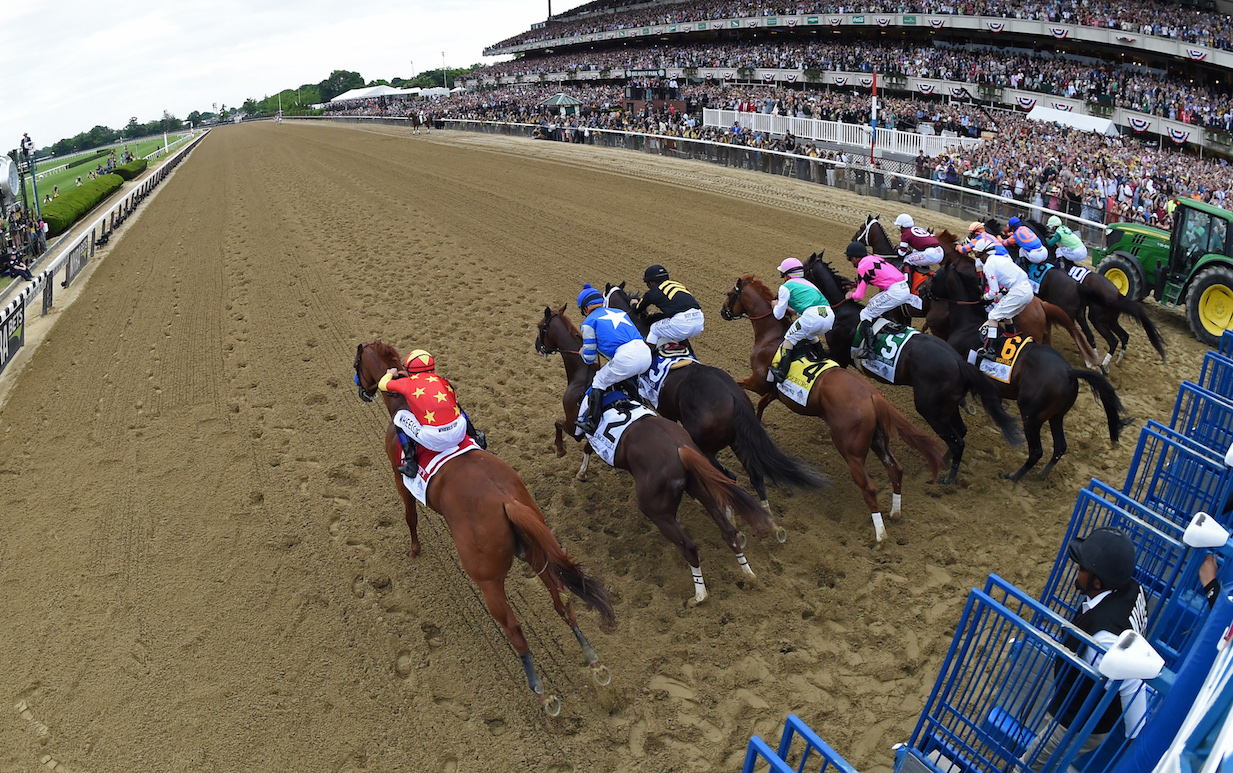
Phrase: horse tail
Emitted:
{"points": [[893, 422], [1124, 305], [759, 454], [544, 554], [713, 489], [1108, 398], [1056, 315], [980, 385]]}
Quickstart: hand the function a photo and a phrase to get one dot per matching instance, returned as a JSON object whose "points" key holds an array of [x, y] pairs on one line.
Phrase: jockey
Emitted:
{"points": [[1023, 237], [612, 333], [917, 246], [873, 271], [1009, 289], [432, 417], [680, 315], [978, 238], [1069, 246], [814, 317]]}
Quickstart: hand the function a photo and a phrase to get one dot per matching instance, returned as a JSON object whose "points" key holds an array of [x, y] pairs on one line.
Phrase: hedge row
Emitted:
{"points": [[131, 169], [88, 159], [69, 208]]}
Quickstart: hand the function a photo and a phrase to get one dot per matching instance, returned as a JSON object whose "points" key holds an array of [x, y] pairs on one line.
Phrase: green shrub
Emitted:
{"points": [[88, 159], [131, 169], [72, 205]]}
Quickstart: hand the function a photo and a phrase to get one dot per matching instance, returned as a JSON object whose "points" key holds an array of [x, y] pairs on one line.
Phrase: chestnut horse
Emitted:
{"points": [[664, 461], [493, 518], [1042, 382], [859, 416], [716, 413]]}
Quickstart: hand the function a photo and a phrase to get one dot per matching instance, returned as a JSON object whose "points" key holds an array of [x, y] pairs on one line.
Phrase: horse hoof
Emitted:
{"points": [[781, 535], [698, 599], [551, 705], [560, 452], [766, 505], [581, 476], [601, 675], [971, 408], [415, 550], [741, 539]]}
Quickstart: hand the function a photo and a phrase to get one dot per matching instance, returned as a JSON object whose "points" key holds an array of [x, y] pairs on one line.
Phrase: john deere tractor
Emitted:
{"points": [[1190, 267]]}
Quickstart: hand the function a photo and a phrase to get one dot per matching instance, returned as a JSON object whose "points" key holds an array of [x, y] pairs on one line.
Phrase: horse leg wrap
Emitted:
{"points": [[896, 504], [740, 559], [588, 652], [879, 528], [533, 682], [699, 585]]}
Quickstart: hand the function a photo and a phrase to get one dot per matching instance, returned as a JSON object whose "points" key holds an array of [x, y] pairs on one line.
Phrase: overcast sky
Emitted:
{"points": [[76, 64]]}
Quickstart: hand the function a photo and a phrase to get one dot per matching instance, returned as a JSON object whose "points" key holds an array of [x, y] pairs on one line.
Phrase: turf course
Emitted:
{"points": [[66, 178]]}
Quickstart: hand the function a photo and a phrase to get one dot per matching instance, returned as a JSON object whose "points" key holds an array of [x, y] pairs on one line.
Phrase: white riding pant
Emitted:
{"points": [[630, 359], [441, 438], [1038, 255], [929, 257], [679, 327], [1014, 301], [1073, 255], [891, 298], [812, 324]]}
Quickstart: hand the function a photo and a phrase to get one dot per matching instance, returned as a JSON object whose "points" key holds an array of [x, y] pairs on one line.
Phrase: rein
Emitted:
{"points": [[738, 288]]}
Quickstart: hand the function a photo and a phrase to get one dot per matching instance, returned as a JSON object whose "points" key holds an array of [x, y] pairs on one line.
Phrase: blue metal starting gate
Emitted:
{"points": [[816, 752], [1204, 416], [1178, 477], [1226, 343], [1217, 374]]}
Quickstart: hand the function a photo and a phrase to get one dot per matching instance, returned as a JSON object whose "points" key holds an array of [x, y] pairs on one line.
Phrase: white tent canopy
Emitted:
{"points": [[435, 92], [368, 92], [1085, 123]]}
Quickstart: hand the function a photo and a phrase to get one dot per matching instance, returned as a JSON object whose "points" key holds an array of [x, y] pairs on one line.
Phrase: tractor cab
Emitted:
{"points": [[1200, 237]]}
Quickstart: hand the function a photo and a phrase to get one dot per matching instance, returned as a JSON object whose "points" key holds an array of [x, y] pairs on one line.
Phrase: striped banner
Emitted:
{"points": [[937, 24], [1063, 107], [835, 20], [1179, 135], [1125, 39], [925, 88], [792, 22], [867, 82], [1061, 33], [1139, 124], [1196, 54], [1027, 103], [883, 21], [792, 77], [768, 77], [959, 92], [996, 26], [729, 76], [753, 22], [841, 80]]}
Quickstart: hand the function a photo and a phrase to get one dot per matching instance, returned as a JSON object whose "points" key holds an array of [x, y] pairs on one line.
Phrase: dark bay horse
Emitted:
{"points": [[874, 236], [859, 416], [1035, 320], [1041, 382], [938, 376], [662, 458], [717, 414], [1101, 301], [493, 519]]}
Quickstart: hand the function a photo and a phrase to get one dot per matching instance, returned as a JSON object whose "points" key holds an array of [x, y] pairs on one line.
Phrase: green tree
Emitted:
{"points": [[194, 118], [133, 127], [338, 82], [249, 106]]}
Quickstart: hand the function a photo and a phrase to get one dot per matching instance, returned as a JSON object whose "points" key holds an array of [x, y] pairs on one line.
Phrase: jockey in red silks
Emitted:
{"points": [[432, 418], [872, 271]]}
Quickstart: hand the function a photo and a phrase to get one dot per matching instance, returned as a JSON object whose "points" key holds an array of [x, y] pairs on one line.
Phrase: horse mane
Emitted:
{"points": [[386, 352], [569, 324], [946, 236], [761, 289]]}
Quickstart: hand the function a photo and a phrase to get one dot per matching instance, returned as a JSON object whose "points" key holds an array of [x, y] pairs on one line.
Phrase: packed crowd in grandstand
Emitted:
{"points": [[1169, 20]]}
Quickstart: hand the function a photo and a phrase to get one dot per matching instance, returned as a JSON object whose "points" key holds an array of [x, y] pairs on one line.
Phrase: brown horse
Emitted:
{"points": [[874, 237], [662, 458], [859, 416], [1035, 320], [493, 518]]}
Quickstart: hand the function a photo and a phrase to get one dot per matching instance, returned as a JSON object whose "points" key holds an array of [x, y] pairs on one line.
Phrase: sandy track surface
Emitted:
{"points": [[204, 562]]}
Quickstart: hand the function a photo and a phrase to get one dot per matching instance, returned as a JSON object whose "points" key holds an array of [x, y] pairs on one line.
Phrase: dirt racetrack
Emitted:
{"points": [[204, 564]]}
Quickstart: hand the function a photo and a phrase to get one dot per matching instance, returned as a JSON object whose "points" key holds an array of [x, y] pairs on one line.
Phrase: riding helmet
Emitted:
{"points": [[654, 273], [976, 226], [1013, 222], [855, 250], [588, 296], [420, 361], [790, 264], [1106, 553], [1054, 221], [905, 221]]}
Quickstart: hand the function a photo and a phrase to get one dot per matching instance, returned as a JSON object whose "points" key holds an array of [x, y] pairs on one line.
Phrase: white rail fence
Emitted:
{"points": [[73, 258], [836, 133]]}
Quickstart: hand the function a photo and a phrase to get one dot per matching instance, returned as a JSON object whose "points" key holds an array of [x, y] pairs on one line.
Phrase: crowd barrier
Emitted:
{"points": [[73, 258]]}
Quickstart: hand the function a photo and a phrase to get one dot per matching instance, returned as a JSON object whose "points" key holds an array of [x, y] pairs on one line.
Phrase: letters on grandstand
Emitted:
{"points": [[13, 330]]}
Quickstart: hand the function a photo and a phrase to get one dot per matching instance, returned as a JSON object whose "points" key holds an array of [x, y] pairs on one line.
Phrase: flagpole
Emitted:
{"points": [[873, 137]]}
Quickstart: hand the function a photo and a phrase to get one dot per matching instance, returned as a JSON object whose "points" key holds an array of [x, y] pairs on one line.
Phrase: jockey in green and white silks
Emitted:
{"points": [[1069, 245], [814, 316]]}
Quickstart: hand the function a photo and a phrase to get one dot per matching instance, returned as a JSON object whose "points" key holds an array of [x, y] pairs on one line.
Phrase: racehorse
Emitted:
{"points": [[1041, 381], [874, 237], [1101, 300], [859, 416], [939, 377], [664, 461], [493, 518], [714, 410], [1035, 320]]}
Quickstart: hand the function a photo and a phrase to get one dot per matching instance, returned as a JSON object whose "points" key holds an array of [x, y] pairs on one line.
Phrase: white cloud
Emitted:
{"points": [[89, 63]]}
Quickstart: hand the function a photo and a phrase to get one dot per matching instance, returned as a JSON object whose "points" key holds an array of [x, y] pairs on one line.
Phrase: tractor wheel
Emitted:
{"points": [[1209, 304], [1125, 275]]}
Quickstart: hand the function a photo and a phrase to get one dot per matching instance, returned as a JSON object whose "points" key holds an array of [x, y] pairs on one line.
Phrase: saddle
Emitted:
{"points": [[671, 350]]}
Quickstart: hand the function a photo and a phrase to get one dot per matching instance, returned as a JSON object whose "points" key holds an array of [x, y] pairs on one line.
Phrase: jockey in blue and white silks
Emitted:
{"points": [[612, 333], [1029, 244]]}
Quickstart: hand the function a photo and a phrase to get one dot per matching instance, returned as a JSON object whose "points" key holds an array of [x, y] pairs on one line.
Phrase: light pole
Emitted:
{"points": [[444, 80]]}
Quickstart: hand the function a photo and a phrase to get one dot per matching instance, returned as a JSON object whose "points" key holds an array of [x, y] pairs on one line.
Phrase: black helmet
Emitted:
{"points": [[1106, 553], [856, 250], [655, 273]]}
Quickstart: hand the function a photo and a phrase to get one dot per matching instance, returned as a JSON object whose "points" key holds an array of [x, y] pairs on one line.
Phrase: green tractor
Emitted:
{"points": [[1191, 267]]}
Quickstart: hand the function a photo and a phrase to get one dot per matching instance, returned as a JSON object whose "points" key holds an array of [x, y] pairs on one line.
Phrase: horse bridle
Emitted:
{"points": [[369, 395], [728, 315], [863, 236]]}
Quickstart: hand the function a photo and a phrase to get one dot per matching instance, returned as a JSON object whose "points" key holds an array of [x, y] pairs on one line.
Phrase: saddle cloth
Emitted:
{"points": [[1078, 273], [617, 418], [429, 463], [1036, 274], [1008, 349], [652, 381], [802, 374], [888, 346]]}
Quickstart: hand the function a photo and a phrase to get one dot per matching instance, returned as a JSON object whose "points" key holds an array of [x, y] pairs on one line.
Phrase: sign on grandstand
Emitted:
{"points": [[636, 73], [13, 329], [76, 262]]}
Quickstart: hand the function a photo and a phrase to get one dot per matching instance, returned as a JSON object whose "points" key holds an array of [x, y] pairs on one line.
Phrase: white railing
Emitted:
{"points": [[836, 133]]}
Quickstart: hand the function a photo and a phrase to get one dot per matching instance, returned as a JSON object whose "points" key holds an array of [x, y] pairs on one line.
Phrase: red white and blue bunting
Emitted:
{"points": [[1125, 39], [959, 92], [1139, 124], [1179, 135], [753, 22], [1196, 54], [996, 26], [937, 24], [792, 22], [867, 82], [883, 21], [1027, 103], [768, 77], [841, 80], [792, 77], [1061, 33], [835, 20], [1063, 107], [925, 88], [729, 76]]}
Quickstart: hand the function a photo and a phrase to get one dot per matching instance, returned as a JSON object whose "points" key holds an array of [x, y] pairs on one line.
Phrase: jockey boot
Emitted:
{"points": [[989, 334], [478, 435], [865, 329], [409, 466], [780, 371], [588, 423]]}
